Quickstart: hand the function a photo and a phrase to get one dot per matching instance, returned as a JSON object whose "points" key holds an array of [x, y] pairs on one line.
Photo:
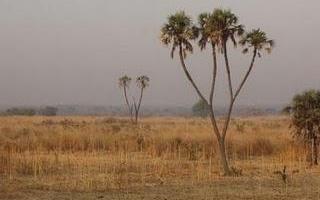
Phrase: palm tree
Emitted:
{"points": [[124, 82], [209, 30], [215, 28], [142, 83]]}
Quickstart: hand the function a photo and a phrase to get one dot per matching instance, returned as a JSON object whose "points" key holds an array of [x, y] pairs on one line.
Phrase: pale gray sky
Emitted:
{"points": [[73, 51]]}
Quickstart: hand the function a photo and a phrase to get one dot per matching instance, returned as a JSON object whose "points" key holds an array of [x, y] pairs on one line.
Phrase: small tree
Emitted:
{"points": [[305, 118], [142, 83], [48, 111], [124, 82], [21, 111], [216, 29], [134, 107], [200, 109]]}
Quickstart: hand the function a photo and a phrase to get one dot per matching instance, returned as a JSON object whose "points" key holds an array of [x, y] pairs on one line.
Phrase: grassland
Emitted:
{"points": [[161, 158]]}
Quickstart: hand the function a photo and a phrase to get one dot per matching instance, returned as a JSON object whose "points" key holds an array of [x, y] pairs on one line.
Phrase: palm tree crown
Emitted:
{"points": [[257, 40], [206, 30], [143, 81], [124, 81], [218, 27], [226, 26], [178, 31]]}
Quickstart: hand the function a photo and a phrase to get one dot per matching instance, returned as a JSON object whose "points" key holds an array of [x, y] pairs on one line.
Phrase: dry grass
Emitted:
{"points": [[94, 154]]}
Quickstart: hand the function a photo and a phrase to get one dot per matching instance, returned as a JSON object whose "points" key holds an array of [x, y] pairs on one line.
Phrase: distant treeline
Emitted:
{"points": [[24, 111], [183, 111]]}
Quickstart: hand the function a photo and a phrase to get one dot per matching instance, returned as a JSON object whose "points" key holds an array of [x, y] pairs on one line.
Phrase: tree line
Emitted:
{"points": [[24, 111]]}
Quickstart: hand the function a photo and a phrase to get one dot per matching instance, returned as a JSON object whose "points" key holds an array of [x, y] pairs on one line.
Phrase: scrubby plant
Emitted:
{"points": [[305, 120]]}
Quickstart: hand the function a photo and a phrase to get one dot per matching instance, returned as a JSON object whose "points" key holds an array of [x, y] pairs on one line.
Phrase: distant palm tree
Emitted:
{"points": [[124, 82], [142, 83]]}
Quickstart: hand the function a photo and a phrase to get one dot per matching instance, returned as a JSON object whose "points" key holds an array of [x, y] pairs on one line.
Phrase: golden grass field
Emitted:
{"points": [[161, 158]]}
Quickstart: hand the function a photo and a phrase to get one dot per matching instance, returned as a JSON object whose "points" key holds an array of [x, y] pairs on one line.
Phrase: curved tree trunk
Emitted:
{"points": [[127, 102], [184, 67], [222, 149], [220, 135], [137, 107], [233, 99]]}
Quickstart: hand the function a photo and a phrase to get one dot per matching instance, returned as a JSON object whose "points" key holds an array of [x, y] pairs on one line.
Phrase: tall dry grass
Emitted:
{"points": [[95, 153]]}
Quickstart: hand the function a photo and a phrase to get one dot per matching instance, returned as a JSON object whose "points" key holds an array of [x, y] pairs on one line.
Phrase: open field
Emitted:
{"points": [[162, 158]]}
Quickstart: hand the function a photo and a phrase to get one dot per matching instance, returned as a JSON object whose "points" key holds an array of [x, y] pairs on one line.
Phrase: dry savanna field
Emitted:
{"points": [[161, 158]]}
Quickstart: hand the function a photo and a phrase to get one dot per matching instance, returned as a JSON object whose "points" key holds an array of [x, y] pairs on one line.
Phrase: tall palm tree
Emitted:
{"points": [[142, 83], [210, 34], [226, 28], [216, 29], [124, 82]]}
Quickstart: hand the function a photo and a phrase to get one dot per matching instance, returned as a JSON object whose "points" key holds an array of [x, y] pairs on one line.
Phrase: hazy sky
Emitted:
{"points": [[73, 51]]}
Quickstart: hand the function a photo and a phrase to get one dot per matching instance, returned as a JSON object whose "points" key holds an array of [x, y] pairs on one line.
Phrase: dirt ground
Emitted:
{"points": [[306, 186]]}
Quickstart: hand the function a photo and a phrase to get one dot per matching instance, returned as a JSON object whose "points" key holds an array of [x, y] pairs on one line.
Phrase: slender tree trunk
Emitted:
{"points": [[127, 102], [214, 73], [232, 101], [222, 148], [224, 158], [184, 67], [226, 59], [315, 150], [220, 135], [137, 107], [136, 117], [231, 105]]}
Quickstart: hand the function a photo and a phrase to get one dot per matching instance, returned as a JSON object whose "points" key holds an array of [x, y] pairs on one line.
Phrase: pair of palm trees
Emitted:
{"points": [[215, 29], [134, 107]]}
